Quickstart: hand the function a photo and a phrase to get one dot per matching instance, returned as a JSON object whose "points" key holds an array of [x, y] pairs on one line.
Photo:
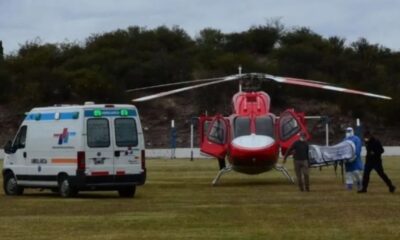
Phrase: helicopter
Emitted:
{"points": [[252, 137]]}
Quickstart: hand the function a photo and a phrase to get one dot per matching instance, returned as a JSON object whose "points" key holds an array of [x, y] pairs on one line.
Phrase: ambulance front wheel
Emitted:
{"points": [[11, 186], [65, 189], [127, 192]]}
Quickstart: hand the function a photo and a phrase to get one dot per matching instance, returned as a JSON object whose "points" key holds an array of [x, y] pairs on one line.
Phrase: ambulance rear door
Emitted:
{"points": [[128, 145], [99, 152]]}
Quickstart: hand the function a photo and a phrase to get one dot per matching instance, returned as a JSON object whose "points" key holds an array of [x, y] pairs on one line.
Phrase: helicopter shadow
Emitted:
{"points": [[230, 184]]}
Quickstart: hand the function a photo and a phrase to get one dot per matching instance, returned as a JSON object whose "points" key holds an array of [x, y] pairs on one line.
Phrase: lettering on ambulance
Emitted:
{"points": [[39, 161]]}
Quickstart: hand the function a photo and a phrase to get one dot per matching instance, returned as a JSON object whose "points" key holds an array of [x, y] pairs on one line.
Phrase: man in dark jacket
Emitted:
{"points": [[299, 149], [374, 161]]}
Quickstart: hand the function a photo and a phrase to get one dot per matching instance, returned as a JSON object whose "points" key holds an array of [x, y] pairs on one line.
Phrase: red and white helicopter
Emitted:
{"points": [[251, 137]]}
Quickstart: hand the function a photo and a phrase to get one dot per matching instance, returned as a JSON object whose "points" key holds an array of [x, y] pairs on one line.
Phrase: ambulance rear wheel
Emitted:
{"points": [[11, 187], [65, 189], [127, 192]]}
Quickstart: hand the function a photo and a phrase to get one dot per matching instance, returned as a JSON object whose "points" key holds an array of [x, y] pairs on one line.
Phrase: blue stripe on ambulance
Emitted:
{"points": [[51, 116], [75, 115]]}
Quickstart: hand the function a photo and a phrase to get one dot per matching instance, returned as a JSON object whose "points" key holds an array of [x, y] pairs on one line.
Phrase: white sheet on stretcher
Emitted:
{"points": [[329, 155]]}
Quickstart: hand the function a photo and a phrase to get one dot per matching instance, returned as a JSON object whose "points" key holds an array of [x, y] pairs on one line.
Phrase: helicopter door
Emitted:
{"points": [[289, 125], [214, 136]]}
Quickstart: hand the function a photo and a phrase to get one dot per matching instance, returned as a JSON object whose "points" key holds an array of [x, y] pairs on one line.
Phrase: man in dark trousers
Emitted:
{"points": [[374, 161], [299, 149]]}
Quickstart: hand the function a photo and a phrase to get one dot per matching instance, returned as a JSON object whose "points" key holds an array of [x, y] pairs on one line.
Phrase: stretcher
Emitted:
{"points": [[319, 156]]}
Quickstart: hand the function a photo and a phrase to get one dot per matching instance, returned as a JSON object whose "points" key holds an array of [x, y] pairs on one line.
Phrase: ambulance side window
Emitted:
{"points": [[98, 133], [125, 132], [20, 139]]}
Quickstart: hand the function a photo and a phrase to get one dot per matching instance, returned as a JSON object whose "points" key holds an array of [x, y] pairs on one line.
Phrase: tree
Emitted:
{"points": [[1, 51], [4, 77], [107, 64]]}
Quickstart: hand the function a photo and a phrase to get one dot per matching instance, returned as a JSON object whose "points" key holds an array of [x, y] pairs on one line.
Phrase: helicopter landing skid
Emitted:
{"points": [[285, 172], [220, 173]]}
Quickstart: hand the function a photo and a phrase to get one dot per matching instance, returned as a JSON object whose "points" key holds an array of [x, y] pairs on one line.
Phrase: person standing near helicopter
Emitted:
{"points": [[300, 149], [354, 168]]}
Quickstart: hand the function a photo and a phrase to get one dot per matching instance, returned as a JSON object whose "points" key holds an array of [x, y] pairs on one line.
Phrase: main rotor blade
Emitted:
{"points": [[173, 84], [322, 85], [163, 94]]}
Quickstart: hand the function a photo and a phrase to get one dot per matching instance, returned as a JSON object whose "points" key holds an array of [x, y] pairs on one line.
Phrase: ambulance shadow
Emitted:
{"points": [[102, 195], [81, 195]]}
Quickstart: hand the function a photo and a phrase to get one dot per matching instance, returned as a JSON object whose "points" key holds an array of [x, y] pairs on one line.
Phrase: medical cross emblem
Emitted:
{"points": [[64, 136]]}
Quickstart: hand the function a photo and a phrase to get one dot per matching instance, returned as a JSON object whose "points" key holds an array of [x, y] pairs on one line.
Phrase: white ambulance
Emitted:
{"points": [[77, 147]]}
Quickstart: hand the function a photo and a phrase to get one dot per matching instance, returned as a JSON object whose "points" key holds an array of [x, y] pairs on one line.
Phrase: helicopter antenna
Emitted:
{"points": [[240, 75]]}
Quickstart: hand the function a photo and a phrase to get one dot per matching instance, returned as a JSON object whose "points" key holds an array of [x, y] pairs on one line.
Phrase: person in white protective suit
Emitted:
{"points": [[354, 168]]}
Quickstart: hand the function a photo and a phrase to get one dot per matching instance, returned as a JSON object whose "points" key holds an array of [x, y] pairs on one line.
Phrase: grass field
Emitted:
{"points": [[178, 202]]}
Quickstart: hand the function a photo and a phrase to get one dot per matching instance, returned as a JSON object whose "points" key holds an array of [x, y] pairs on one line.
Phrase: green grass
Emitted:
{"points": [[178, 202]]}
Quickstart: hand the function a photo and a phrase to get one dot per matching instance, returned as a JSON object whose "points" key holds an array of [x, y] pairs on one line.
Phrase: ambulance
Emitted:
{"points": [[73, 148]]}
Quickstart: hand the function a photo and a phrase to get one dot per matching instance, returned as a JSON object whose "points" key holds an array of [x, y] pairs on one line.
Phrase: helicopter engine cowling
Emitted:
{"points": [[253, 154]]}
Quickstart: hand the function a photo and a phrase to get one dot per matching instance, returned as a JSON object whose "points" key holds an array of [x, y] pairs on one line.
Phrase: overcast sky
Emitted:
{"points": [[74, 20]]}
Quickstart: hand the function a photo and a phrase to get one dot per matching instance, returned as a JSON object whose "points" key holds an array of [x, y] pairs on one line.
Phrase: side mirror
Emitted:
{"points": [[8, 148]]}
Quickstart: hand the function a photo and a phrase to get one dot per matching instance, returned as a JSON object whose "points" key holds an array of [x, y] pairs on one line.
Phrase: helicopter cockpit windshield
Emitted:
{"points": [[242, 126], [265, 126]]}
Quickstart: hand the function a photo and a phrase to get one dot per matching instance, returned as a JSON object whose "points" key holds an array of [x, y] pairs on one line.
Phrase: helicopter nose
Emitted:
{"points": [[253, 141]]}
